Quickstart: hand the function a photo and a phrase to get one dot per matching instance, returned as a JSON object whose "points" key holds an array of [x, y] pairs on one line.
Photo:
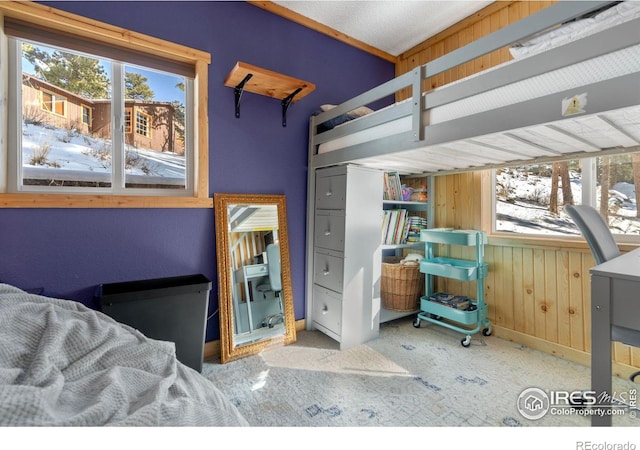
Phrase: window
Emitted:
{"points": [[86, 115], [54, 103], [530, 199], [127, 120], [104, 80], [142, 123]]}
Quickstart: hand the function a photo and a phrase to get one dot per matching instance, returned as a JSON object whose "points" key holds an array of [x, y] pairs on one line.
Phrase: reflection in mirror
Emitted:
{"points": [[255, 296]]}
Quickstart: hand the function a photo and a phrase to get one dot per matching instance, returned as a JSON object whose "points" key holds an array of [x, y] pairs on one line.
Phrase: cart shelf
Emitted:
{"points": [[458, 269], [463, 317], [453, 237], [467, 321]]}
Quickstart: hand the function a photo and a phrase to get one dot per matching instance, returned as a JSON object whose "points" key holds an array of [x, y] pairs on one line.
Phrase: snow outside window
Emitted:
{"points": [[530, 199], [68, 151], [72, 88]]}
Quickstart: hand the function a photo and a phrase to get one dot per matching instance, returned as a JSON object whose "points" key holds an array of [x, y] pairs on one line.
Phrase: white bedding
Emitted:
{"points": [[616, 15], [62, 363], [605, 67]]}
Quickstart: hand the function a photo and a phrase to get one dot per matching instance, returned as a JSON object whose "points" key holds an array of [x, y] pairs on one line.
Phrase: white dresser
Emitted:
{"points": [[344, 254]]}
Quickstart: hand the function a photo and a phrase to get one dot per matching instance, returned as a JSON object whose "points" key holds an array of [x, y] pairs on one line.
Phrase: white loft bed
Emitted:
{"points": [[516, 113]]}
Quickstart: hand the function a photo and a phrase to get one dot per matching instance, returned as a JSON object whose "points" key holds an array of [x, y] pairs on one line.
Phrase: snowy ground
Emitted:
{"points": [[522, 206], [89, 157]]}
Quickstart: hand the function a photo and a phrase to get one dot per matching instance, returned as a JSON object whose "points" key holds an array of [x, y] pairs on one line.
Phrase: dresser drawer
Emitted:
{"points": [[256, 270], [328, 270], [327, 309], [331, 192], [329, 230]]}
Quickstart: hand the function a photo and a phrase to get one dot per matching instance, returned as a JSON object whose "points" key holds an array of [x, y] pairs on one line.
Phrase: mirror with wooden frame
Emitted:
{"points": [[254, 275]]}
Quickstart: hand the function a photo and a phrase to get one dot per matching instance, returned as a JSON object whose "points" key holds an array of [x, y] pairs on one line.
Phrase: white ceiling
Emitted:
{"points": [[391, 26]]}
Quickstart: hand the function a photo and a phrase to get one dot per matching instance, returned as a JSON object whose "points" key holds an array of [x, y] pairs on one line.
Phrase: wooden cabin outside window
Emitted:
{"points": [[65, 36]]}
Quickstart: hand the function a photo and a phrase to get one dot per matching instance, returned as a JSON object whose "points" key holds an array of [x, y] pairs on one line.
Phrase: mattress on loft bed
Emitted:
{"points": [[605, 67], [622, 62]]}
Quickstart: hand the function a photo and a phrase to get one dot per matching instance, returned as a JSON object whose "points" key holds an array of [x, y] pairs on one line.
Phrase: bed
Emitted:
{"points": [[572, 89], [63, 364]]}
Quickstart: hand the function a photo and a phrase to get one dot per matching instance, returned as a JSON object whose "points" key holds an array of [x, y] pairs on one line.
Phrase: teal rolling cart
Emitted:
{"points": [[466, 316]]}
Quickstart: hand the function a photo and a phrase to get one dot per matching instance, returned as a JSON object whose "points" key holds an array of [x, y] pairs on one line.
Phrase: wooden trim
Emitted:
{"points": [[33, 200], [201, 108], [320, 28], [211, 350], [548, 242], [74, 24], [453, 29], [579, 357]]}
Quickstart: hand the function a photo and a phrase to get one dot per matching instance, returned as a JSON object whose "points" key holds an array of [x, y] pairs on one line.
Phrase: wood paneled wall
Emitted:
{"points": [[538, 291], [485, 21]]}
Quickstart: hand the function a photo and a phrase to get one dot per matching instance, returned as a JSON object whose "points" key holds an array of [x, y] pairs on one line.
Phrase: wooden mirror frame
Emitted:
{"points": [[229, 351]]}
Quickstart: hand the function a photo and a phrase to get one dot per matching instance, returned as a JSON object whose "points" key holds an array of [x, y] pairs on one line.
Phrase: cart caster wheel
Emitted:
{"points": [[466, 342], [487, 331], [416, 323]]}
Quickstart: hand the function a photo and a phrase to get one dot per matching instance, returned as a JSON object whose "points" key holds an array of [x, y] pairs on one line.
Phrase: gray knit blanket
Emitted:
{"points": [[62, 363]]}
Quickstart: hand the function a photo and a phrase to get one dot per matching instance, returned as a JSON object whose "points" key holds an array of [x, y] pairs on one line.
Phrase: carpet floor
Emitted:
{"points": [[407, 377]]}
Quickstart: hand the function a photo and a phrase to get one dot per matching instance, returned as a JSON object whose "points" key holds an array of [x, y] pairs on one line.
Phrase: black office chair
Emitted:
{"points": [[603, 248]]}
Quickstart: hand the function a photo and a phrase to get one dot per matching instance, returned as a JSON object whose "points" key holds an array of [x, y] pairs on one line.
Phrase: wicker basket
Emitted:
{"points": [[401, 285]]}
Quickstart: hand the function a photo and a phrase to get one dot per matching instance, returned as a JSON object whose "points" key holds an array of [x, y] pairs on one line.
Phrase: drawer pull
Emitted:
{"points": [[329, 193], [327, 233], [326, 272], [325, 309]]}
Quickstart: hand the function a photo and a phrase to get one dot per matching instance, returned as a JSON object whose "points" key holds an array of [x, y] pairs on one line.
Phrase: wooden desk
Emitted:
{"points": [[615, 301]]}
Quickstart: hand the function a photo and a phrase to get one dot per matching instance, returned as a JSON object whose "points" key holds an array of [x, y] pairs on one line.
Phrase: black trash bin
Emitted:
{"points": [[168, 309]]}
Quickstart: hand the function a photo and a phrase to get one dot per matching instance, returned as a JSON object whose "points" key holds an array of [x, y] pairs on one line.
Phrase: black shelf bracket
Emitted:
{"points": [[285, 105], [238, 93]]}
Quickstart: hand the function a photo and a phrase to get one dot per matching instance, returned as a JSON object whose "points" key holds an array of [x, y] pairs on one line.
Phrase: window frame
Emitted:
{"points": [[128, 112], [588, 197], [102, 33], [89, 116], [55, 99], [147, 123]]}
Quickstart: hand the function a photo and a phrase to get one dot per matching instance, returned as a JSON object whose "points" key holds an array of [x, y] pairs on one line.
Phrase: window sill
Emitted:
{"points": [[100, 201], [548, 242]]}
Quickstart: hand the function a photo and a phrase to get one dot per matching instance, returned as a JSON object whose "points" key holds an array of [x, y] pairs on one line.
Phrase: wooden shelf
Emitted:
{"points": [[245, 77], [266, 82]]}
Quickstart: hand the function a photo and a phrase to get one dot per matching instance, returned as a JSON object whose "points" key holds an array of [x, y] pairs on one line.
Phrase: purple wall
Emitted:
{"points": [[69, 252]]}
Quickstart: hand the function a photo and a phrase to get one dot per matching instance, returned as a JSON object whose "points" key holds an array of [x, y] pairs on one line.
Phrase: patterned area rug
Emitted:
{"points": [[407, 377]]}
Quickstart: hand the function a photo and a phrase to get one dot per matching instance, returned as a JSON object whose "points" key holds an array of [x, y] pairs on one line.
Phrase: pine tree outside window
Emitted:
{"points": [[91, 116], [530, 200]]}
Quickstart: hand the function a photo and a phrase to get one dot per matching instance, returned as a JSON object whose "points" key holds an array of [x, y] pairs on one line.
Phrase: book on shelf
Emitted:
{"points": [[416, 224], [400, 228], [392, 186]]}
